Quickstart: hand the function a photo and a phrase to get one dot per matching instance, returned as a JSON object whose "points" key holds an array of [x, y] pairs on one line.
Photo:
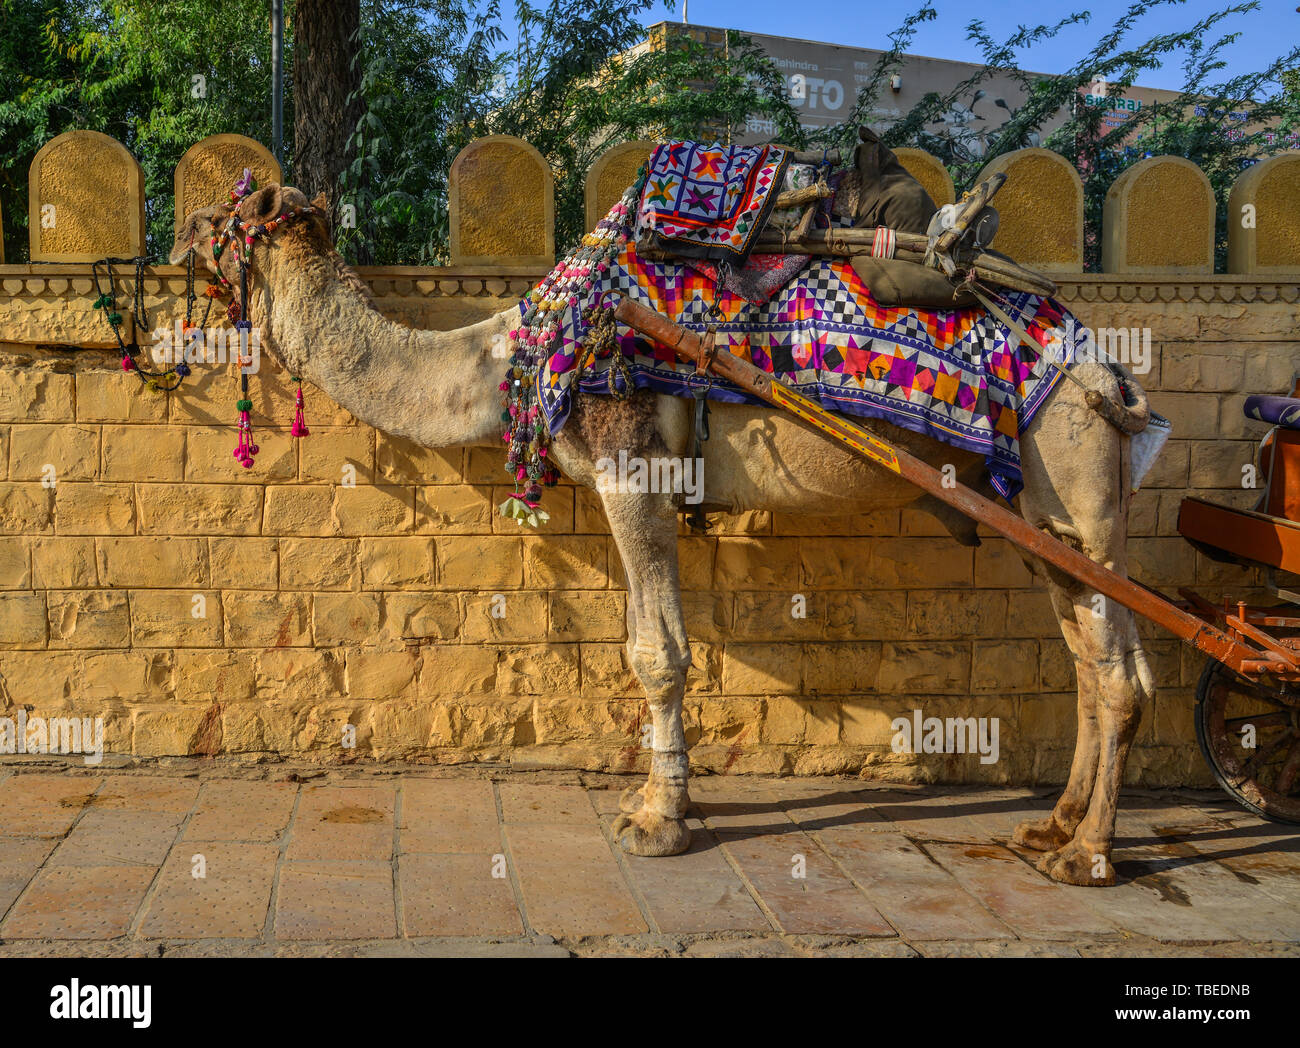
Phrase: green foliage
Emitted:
{"points": [[128, 69], [1201, 123], [575, 82], [573, 78]]}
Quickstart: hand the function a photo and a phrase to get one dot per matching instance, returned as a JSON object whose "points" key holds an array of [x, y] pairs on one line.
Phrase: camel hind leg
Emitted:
{"points": [[1076, 487]]}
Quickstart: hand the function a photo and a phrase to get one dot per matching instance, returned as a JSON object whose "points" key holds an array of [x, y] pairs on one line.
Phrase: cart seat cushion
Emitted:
{"points": [[1277, 411]]}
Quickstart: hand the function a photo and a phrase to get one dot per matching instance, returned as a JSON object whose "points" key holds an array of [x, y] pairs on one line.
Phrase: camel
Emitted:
{"points": [[316, 318]]}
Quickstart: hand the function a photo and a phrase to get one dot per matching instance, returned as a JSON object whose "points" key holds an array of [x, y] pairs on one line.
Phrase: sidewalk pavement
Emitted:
{"points": [[213, 860]]}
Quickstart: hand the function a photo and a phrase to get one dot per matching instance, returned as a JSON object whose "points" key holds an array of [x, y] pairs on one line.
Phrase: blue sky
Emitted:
{"points": [[1265, 33]]}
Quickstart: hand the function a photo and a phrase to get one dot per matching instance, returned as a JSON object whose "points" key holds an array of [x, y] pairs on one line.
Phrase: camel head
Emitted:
{"points": [[261, 206], [306, 235]]}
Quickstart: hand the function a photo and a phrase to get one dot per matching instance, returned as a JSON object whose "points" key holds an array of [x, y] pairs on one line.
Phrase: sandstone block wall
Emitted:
{"points": [[355, 597]]}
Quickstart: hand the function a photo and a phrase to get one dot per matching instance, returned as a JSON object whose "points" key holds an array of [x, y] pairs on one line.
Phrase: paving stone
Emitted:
{"points": [[547, 805], [1186, 878], [742, 807], [1137, 827], [1199, 876], [772, 947], [1261, 854], [449, 816], [241, 810], [1032, 905], [824, 900], [78, 902], [1027, 949], [879, 948], [335, 900], [606, 801], [917, 896], [452, 948], [838, 807], [966, 817], [344, 824], [696, 891], [1250, 849], [147, 793], [20, 858], [999, 948], [348, 803], [118, 838], [1145, 905], [43, 805], [999, 812], [456, 895], [570, 881], [229, 901]]}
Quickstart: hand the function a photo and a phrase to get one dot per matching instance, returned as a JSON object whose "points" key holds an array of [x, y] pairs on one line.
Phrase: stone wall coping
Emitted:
{"points": [[1126, 286]]}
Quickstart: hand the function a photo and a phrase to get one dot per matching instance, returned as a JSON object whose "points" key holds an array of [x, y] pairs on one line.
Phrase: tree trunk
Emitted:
{"points": [[326, 71]]}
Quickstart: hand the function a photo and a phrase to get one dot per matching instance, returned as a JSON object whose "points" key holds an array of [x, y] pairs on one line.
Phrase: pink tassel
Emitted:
{"points": [[245, 449], [299, 428]]}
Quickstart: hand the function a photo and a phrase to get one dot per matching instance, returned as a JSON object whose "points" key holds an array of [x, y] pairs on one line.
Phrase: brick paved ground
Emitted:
{"points": [[385, 860]]}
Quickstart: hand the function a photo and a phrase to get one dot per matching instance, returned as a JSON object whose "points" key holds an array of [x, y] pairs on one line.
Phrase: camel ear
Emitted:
{"points": [[262, 205], [321, 204], [196, 228]]}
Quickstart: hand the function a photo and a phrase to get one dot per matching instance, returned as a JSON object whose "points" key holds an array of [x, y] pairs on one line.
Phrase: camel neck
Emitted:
{"points": [[437, 388]]}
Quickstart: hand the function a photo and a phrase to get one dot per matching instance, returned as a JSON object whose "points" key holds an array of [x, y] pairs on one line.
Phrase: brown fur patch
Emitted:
{"points": [[607, 425]]}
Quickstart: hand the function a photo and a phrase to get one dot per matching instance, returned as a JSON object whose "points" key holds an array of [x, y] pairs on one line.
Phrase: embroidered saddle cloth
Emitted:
{"points": [[957, 376], [709, 200]]}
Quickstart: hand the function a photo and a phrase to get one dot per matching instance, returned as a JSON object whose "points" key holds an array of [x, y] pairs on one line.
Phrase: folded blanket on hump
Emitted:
{"points": [[709, 201]]}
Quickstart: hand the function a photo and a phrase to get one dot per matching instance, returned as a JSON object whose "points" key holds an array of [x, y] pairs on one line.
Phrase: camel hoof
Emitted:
{"points": [[644, 833], [631, 799], [1080, 865], [1045, 835]]}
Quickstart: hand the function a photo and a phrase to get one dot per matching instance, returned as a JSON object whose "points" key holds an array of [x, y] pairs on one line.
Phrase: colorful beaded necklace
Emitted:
{"points": [[239, 237], [167, 380], [567, 286]]}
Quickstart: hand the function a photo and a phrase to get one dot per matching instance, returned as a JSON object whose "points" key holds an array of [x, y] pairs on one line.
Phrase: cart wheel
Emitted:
{"points": [[1232, 712]]}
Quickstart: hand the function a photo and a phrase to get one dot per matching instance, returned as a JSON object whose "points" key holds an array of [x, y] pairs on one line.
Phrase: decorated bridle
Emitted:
{"points": [[235, 232], [238, 237]]}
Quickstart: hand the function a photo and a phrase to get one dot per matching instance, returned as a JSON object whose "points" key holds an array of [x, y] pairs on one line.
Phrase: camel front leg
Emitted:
{"points": [[645, 530], [1123, 685], [1114, 683], [1057, 828]]}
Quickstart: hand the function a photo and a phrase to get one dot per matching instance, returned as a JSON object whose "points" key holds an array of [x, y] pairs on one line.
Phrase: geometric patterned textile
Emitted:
{"points": [[951, 375], [709, 201]]}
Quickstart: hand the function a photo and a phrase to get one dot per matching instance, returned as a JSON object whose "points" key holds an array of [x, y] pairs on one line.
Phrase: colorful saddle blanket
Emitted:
{"points": [[709, 201], [950, 375]]}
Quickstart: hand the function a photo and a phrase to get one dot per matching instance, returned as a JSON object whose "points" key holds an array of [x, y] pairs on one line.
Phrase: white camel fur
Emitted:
{"points": [[440, 389]]}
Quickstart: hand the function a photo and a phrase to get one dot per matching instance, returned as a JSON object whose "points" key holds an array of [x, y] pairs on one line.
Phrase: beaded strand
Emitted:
{"points": [[533, 342]]}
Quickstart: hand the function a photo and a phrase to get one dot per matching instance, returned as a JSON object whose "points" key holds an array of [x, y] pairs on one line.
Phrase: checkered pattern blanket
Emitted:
{"points": [[709, 201], [950, 375]]}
